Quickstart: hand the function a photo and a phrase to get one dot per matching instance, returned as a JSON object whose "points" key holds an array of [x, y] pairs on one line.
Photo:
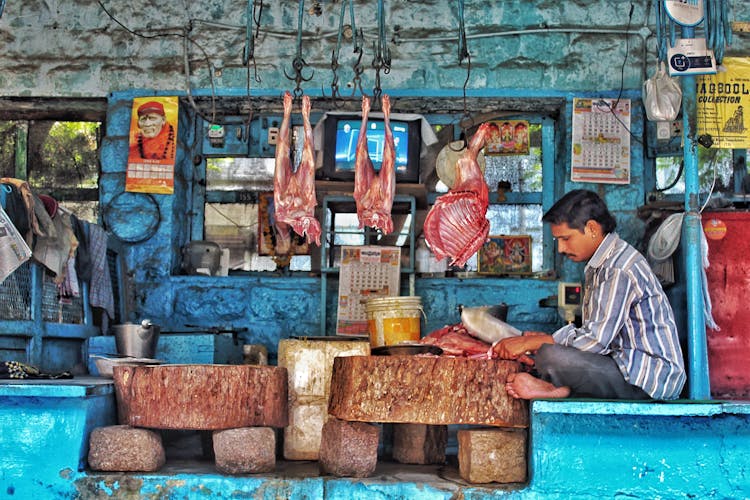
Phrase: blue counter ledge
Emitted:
{"points": [[77, 387], [676, 408]]}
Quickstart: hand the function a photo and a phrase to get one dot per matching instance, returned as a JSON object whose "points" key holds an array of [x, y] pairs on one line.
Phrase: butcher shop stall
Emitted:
{"points": [[268, 249]]}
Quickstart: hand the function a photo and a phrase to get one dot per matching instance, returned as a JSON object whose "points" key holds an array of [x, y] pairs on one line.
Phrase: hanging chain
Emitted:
{"points": [[298, 63], [253, 13], [358, 38], [335, 56], [463, 53], [382, 60]]}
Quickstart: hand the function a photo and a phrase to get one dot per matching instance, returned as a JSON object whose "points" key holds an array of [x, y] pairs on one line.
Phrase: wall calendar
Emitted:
{"points": [[601, 141], [366, 272]]}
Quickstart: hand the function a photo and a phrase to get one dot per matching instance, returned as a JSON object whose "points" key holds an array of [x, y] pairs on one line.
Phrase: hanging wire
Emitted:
{"points": [[253, 13], [358, 38], [463, 53], [335, 57], [252, 17], [186, 40], [298, 63], [661, 32], [718, 26]]}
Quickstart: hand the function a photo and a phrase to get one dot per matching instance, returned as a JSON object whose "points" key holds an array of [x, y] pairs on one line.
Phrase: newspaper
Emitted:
{"points": [[13, 249]]}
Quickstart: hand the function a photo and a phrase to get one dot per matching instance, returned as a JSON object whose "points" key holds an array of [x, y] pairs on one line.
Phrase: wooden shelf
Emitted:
{"points": [[346, 188]]}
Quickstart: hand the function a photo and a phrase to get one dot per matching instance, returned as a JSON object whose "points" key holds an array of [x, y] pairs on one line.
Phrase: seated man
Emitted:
{"points": [[627, 346]]}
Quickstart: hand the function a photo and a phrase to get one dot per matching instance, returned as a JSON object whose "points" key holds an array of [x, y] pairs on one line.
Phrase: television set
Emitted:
{"points": [[341, 134]]}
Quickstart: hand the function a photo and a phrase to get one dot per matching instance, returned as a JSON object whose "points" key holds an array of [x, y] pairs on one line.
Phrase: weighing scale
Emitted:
{"points": [[569, 300]]}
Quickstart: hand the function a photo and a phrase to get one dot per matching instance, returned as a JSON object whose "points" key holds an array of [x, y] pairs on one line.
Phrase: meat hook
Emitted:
{"points": [[298, 63], [358, 70]]}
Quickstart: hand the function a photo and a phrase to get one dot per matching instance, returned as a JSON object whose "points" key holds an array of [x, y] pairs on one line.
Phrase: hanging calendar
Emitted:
{"points": [[601, 141], [366, 272]]}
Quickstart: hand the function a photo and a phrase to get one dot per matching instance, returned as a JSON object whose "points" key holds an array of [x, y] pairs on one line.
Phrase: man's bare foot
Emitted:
{"points": [[525, 386]]}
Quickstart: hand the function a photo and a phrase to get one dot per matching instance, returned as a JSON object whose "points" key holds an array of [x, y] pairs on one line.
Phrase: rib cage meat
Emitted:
{"points": [[457, 225], [374, 192], [294, 192]]}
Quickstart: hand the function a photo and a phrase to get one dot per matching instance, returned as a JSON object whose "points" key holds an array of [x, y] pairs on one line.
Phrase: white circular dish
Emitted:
{"points": [[445, 164]]}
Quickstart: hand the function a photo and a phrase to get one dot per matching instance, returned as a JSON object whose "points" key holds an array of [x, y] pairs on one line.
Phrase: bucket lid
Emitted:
{"points": [[391, 302]]}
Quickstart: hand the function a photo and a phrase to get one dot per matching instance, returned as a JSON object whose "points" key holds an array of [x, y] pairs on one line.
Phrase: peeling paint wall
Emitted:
{"points": [[56, 48]]}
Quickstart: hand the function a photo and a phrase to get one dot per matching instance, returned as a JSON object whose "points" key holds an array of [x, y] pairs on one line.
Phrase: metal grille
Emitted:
{"points": [[56, 311], [524, 173], [15, 294]]}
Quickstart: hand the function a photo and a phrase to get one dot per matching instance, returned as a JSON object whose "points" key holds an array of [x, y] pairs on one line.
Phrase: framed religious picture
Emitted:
{"points": [[268, 242], [153, 145], [505, 255], [508, 137]]}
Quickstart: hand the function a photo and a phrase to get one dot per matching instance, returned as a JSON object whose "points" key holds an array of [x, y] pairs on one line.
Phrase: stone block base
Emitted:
{"points": [[125, 449], [245, 450], [492, 455], [349, 449], [419, 443]]}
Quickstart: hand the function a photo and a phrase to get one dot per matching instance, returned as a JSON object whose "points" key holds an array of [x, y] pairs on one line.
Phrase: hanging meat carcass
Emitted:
{"points": [[294, 192], [374, 192], [457, 225]]}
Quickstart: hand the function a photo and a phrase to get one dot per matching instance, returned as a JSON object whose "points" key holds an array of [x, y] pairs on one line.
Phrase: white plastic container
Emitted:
{"points": [[394, 320]]}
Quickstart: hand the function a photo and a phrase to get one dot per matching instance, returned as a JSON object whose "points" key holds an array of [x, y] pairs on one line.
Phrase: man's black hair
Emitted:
{"points": [[578, 207]]}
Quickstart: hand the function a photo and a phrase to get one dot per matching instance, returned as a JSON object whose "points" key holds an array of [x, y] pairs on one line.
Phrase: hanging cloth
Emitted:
{"points": [[100, 294]]}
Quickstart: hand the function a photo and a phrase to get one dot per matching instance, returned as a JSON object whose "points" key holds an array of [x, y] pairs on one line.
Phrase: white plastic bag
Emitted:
{"points": [[662, 96]]}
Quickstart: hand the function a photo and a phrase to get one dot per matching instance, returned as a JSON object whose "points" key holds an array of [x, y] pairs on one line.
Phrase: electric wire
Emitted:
{"points": [[182, 34]]}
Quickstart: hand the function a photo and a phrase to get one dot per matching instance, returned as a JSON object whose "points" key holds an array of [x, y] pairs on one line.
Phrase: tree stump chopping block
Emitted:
{"points": [[201, 397], [425, 390]]}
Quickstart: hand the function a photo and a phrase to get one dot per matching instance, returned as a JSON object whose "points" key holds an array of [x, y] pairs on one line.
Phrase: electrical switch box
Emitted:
{"points": [[273, 135]]}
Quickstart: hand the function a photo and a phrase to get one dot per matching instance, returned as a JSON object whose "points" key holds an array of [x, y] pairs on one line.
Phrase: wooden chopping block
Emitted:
{"points": [[425, 390], [201, 397]]}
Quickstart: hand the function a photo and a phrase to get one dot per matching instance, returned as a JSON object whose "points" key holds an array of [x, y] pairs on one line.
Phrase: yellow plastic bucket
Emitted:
{"points": [[393, 320]]}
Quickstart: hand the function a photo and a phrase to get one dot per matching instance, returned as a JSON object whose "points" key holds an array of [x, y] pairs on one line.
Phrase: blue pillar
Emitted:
{"points": [[698, 380]]}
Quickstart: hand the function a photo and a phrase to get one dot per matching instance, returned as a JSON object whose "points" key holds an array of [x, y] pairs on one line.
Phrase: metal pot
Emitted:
{"points": [[136, 340], [201, 257]]}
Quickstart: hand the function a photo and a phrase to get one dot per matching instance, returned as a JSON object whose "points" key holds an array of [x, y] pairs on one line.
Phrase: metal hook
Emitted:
{"points": [[358, 70], [298, 64]]}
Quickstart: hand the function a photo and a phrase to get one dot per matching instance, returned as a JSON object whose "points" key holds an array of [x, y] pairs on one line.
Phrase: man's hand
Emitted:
{"points": [[520, 348]]}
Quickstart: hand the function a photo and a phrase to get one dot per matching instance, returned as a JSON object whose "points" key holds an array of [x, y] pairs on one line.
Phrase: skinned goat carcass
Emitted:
{"points": [[374, 192], [294, 192], [456, 225]]}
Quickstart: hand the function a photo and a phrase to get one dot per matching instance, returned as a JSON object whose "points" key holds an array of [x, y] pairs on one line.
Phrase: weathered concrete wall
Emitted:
{"points": [[57, 48]]}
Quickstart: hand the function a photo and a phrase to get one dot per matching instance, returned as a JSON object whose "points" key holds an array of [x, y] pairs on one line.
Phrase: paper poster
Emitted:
{"points": [[508, 137], [366, 272], [601, 141], [723, 104], [13, 249], [153, 145]]}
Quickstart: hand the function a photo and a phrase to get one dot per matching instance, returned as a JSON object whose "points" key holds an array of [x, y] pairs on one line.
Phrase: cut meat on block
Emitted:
{"points": [[425, 390], [456, 226], [455, 340], [201, 397]]}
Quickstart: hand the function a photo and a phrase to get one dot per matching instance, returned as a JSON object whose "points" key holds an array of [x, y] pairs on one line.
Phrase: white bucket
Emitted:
{"points": [[393, 320]]}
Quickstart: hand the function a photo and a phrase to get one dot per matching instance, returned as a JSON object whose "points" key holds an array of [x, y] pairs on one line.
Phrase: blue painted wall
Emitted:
{"points": [[273, 308], [521, 51]]}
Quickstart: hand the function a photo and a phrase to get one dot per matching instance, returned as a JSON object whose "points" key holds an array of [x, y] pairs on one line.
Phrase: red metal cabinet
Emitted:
{"points": [[728, 235]]}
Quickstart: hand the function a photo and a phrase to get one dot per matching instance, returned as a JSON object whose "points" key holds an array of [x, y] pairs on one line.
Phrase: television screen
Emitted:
{"points": [[340, 148], [347, 136]]}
